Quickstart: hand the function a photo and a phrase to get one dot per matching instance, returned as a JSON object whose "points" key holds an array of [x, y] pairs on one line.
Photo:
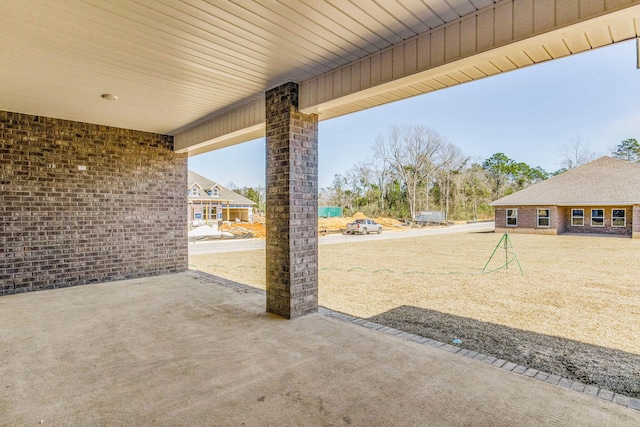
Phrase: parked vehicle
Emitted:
{"points": [[363, 226], [427, 217]]}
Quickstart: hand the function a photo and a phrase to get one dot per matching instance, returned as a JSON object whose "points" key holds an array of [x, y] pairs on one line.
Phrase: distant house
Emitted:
{"points": [[600, 197], [209, 201]]}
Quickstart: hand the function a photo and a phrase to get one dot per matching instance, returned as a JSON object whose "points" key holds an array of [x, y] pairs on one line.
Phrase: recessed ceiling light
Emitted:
{"points": [[109, 97]]}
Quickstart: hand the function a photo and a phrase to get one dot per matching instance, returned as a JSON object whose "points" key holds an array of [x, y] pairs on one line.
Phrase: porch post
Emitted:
{"points": [[292, 205]]}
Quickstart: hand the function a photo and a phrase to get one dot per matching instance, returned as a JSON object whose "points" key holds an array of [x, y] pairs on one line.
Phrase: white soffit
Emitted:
{"points": [[348, 86], [501, 37], [198, 69], [174, 62]]}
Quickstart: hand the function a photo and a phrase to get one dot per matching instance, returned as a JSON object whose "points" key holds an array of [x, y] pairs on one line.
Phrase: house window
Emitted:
{"points": [[618, 217], [512, 217], [194, 191], [543, 217], [597, 217], [577, 217], [215, 192]]}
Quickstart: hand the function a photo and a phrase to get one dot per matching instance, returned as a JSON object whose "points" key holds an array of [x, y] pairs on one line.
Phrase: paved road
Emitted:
{"points": [[217, 246]]}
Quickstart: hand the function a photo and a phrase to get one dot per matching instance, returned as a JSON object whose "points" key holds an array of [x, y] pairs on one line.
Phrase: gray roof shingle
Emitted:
{"points": [[604, 181], [207, 184]]}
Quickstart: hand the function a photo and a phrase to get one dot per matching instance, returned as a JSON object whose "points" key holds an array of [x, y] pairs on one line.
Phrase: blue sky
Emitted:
{"points": [[528, 114]]}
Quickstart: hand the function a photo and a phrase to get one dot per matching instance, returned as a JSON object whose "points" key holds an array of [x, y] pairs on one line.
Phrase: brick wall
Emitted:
{"points": [[528, 220], [122, 217], [560, 215], [292, 205], [607, 229], [560, 221], [635, 221]]}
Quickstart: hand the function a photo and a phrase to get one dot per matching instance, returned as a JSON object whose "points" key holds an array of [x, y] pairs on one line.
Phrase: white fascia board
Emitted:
{"points": [[346, 84], [390, 69], [226, 140], [241, 124]]}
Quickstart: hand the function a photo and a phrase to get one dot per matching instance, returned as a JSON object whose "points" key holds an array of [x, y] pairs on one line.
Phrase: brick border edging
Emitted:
{"points": [[590, 390], [225, 283], [594, 391]]}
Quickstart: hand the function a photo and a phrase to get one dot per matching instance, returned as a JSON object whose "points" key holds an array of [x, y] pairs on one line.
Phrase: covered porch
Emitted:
{"points": [[193, 349]]}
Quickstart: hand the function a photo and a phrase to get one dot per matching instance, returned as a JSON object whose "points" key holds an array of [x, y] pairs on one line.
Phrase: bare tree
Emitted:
{"points": [[452, 161], [338, 194], [411, 153], [576, 153], [477, 187], [381, 169], [326, 197], [359, 177]]}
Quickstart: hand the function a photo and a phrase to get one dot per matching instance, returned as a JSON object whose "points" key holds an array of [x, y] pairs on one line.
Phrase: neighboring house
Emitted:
{"points": [[600, 197], [211, 202]]}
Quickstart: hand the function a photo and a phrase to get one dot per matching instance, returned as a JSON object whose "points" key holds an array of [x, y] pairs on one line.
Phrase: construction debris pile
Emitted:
{"points": [[257, 230], [338, 224]]}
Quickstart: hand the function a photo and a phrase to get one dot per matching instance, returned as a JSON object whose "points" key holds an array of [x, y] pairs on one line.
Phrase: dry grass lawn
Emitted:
{"points": [[578, 294]]}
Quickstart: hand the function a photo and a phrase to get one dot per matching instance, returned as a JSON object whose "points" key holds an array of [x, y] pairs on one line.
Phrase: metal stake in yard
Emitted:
{"points": [[508, 249]]}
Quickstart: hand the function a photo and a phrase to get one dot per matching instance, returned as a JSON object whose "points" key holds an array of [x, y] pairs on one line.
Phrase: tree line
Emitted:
{"points": [[416, 169]]}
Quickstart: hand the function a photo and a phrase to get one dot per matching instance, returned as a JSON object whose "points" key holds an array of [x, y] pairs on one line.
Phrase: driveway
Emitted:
{"points": [[217, 246]]}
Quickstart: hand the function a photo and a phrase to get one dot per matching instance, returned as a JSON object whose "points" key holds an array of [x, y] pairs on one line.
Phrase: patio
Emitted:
{"points": [[183, 350]]}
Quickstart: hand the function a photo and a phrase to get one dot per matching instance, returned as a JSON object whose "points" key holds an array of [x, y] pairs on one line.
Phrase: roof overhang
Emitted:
{"points": [[198, 70], [568, 204]]}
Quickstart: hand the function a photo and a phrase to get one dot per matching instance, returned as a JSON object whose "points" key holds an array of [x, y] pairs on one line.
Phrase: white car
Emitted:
{"points": [[363, 226]]}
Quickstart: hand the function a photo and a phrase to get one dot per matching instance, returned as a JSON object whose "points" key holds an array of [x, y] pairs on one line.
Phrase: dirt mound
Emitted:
{"points": [[388, 222], [336, 223], [340, 223], [324, 225], [256, 228]]}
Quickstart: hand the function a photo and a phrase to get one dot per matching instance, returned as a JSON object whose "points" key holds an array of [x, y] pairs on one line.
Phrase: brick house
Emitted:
{"points": [[209, 201], [600, 197]]}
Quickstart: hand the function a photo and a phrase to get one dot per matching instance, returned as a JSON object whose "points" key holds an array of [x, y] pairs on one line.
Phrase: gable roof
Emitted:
{"points": [[604, 181], [207, 184]]}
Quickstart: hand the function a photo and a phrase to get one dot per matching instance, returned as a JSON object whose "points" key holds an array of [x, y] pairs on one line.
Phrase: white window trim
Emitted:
{"points": [[625, 218], [575, 225], [506, 212], [547, 217], [215, 191], [603, 219]]}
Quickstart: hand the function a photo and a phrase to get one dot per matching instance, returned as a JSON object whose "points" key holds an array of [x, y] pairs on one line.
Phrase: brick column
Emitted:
{"points": [[292, 205]]}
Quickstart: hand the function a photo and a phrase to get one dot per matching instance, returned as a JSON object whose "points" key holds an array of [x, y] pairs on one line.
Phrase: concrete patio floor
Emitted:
{"points": [[182, 350]]}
